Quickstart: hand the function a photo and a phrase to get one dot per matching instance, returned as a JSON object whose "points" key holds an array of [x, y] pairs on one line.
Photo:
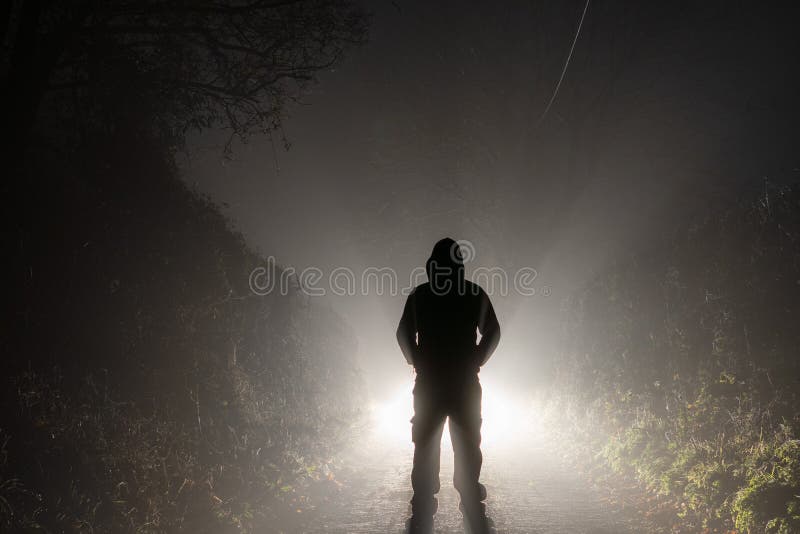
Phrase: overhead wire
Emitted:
{"points": [[566, 64]]}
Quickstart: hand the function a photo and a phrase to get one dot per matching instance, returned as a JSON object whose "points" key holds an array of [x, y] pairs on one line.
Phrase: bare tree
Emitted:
{"points": [[195, 63]]}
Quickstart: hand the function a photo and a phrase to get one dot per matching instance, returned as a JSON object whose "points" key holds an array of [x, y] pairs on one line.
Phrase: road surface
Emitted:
{"points": [[531, 489]]}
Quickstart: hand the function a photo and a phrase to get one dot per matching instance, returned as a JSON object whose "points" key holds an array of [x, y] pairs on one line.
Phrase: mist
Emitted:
{"points": [[413, 139], [218, 213]]}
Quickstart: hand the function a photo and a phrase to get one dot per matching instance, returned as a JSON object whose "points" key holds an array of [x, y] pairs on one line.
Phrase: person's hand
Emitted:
{"points": [[419, 361], [477, 357]]}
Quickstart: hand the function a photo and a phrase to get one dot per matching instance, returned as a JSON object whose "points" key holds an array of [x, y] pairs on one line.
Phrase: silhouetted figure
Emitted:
{"points": [[438, 336]]}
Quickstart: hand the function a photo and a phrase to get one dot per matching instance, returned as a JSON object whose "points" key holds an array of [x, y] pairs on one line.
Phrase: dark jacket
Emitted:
{"points": [[441, 319]]}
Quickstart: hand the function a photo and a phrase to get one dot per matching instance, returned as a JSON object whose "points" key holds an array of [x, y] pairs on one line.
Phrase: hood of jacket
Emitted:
{"points": [[445, 267]]}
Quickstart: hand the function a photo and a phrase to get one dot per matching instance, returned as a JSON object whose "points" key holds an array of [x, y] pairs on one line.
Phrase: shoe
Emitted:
{"points": [[479, 525], [419, 525], [424, 507]]}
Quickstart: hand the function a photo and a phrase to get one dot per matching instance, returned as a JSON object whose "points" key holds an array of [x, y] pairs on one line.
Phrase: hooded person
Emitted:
{"points": [[438, 336], [445, 268]]}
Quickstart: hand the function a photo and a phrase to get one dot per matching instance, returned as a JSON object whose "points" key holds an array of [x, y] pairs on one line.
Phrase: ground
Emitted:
{"points": [[531, 487]]}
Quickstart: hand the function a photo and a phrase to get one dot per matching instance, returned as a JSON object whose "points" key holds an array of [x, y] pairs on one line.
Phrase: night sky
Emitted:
{"points": [[435, 128]]}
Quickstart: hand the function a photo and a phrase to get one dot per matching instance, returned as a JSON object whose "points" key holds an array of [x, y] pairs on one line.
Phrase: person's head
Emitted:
{"points": [[445, 267]]}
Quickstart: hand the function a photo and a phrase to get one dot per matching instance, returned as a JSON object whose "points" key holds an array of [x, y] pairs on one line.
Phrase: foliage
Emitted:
{"points": [[681, 366], [207, 63], [145, 387]]}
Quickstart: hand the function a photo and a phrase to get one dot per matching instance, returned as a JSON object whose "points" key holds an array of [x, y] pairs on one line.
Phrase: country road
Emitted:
{"points": [[531, 489]]}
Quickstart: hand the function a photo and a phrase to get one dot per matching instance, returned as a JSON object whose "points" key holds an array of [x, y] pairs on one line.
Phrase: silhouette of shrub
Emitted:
{"points": [[681, 363]]}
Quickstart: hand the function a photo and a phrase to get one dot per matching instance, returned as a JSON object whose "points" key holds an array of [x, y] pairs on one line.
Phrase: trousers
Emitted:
{"points": [[437, 399]]}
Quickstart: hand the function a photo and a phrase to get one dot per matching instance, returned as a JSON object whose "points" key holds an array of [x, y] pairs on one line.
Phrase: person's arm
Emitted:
{"points": [[489, 329], [407, 331]]}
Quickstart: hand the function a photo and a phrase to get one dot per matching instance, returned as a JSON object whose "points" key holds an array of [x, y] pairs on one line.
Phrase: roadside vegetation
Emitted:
{"points": [[680, 369], [143, 387]]}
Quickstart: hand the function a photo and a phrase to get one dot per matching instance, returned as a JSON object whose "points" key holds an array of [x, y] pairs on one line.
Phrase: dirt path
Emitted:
{"points": [[530, 491]]}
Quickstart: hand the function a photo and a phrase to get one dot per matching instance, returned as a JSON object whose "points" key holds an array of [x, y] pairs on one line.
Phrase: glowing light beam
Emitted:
{"points": [[508, 419]]}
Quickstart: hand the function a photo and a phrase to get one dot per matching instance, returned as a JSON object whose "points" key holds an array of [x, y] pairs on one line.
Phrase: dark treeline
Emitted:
{"points": [[143, 383], [681, 366], [145, 388]]}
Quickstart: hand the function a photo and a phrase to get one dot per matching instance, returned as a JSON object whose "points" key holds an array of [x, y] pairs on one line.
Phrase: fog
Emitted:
{"points": [[426, 133], [215, 212]]}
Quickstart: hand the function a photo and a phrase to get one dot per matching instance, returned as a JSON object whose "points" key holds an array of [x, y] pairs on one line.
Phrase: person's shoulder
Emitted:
{"points": [[473, 289], [420, 290]]}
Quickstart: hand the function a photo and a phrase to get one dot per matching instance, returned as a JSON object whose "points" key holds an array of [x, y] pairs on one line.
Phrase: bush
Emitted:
{"points": [[145, 387], [683, 359]]}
